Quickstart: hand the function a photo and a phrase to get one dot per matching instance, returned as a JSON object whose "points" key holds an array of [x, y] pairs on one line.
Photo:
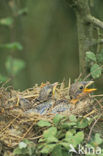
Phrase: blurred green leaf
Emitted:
{"points": [[97, 139], [14, 66], [57, 151], [3, 78], [24, 148], [100, 57], [52, 131], [12, 46], [51, 139], [74, 139], [83, 123], [90, 56], [47, 148], [57, 118], [68, 124], [72, 118], [43, 123], [95, 71], [6, 21], [23, 11]]}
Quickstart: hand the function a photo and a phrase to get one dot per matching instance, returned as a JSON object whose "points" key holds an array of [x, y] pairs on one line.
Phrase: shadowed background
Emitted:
{"points": [[48, 34]]}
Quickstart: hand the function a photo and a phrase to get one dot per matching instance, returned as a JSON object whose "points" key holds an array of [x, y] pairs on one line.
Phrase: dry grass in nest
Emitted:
{"points": [[15, 124]]}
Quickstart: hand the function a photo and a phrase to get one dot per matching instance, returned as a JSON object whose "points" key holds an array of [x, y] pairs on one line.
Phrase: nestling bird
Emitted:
{"points": [[47, 92], [80, 90]]}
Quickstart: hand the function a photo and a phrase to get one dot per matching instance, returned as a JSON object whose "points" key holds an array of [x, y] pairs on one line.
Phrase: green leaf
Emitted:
{"points": [[79, 137], [100, 57], [83, 123], [14, 66], [72, 118], [43, 123], [12, 46], [3, 78], [68, 134], [23, 11], [48, 148], [57, 118], [95, 71], [6, 21], [97, 139], [74, 139], [68, 125], [90, 56], [57, 151], [51, 139], [65, 144], [52, 131]]}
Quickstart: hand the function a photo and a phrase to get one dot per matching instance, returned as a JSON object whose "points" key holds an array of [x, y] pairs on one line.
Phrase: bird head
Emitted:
{"points": [[47, 92], [80, 90]]}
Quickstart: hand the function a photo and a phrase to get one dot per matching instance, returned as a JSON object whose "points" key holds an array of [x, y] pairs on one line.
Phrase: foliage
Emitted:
{"points": [[94, 62], [25, 148], [60, 136], [13, 65]]}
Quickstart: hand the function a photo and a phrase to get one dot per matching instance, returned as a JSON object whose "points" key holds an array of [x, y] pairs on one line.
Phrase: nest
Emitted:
{"points": [[15, 124]]}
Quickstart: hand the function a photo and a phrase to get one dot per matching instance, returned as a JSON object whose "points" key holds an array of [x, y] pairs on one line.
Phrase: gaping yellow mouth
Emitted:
{"points": [[89, 90], [54, 87]]}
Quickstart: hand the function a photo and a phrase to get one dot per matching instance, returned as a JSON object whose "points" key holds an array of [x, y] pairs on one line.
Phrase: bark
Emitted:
{"points": [[85, 23]]}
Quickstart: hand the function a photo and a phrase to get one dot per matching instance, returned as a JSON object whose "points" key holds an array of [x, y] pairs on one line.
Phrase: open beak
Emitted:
{"points": [[89, 90], [54, 87]]}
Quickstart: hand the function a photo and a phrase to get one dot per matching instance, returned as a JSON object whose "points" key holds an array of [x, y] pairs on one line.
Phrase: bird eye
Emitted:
{"points": [[71, 97], [81, 87], [50, 92]]}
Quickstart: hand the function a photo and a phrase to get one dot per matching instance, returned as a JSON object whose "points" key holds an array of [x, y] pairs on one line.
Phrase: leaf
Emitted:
{"points": [[43, 123], [51, 139], [97, 139], [72, 118], [57, 151], [68, 134], [3, 78], [22, 145], [14, 66], [12, 46], [48, 148], [100, 57], [23, 11], [57, 118], [95, 71], [6, 21], [74, 139], [65, 144], [83, 123], [68, 125], [90, 56], [52, 131], [79, 137]]}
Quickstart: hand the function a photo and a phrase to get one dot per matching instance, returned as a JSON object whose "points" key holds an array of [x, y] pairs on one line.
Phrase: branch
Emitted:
{"points": [[95, 21]]}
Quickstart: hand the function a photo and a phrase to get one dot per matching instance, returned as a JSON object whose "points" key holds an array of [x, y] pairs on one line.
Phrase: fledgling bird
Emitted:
{"points": [[45, 98], [80, 90], [47, 92]]}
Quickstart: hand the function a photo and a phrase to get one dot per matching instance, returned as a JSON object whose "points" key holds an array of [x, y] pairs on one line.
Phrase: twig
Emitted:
{"points": [[92, 128], [3, 130], [95, 21]]}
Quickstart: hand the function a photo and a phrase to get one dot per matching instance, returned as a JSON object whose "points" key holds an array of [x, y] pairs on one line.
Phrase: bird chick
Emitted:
{"points": [[80, 90], [47, 92]]}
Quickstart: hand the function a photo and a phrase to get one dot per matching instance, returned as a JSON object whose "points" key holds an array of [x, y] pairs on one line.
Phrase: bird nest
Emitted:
{"points": [[17, 123]]}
